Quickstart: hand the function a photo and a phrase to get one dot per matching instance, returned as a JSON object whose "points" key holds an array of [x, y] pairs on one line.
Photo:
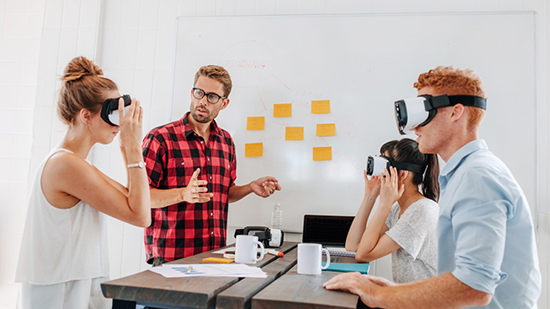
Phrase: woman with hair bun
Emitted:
{"points": [[404, 222], [63, 257]]}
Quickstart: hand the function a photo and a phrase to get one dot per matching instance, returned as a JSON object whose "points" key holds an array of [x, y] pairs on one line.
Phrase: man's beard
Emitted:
{"points": [[202, 119]]}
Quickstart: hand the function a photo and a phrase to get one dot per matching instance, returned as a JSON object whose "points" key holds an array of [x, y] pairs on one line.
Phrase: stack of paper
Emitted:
{"points": [[208, 270]]}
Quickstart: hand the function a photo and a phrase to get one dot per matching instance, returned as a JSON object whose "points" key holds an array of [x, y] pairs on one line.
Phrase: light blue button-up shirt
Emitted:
{"points": [[485, 231]]}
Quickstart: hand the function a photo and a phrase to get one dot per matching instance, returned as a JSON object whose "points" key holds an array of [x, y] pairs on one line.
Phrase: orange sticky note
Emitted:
{"points": [[253, 150], [294, 133], [326, 129], [320, 107], [322, 153], [255, 123], [282, 110]]}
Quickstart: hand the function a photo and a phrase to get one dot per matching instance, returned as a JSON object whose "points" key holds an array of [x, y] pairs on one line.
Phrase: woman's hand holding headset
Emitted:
{"points": [[130, 125], [390, 191], [372, 185]]}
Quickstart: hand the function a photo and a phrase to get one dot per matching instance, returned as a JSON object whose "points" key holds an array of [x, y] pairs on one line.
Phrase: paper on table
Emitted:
{"points": [[222, 251], [208, 270]]}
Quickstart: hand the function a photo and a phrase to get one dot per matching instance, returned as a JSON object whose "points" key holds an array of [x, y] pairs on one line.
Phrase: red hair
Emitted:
{"points": [[451, 81], [82, 87]]}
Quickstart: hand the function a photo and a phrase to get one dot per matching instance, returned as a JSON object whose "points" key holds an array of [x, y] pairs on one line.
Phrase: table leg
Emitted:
{"points": [[361, 305], [123, 304]]}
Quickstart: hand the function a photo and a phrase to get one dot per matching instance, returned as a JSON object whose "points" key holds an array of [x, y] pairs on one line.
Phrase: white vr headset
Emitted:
{"points": [[419, 111], [377, 164], [109, 112]]}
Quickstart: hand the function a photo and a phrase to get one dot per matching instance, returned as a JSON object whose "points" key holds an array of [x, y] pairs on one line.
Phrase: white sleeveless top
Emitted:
{"points": [[61, 245]]}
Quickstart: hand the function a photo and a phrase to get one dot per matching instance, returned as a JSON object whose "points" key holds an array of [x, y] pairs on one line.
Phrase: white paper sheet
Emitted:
{"points": [[222, 251], [208, 270]]}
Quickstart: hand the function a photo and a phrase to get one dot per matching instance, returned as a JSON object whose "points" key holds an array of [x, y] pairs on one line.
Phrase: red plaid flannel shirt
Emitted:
{"points": [[172, 153]]}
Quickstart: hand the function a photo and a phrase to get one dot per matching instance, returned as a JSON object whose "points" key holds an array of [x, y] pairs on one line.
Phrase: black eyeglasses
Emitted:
{"points": [[211, 97]]}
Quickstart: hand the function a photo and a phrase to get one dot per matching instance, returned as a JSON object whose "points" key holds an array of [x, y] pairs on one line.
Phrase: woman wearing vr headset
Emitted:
{"points": [[63, 257], [404, 222]]}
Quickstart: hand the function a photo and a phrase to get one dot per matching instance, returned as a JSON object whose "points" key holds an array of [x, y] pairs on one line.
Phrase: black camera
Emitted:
{"points": [[271, 238]]}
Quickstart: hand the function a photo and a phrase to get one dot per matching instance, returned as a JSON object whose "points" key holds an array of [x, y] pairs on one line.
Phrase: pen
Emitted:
{"points": [[189, 269], [229, 253], [275, 252]]}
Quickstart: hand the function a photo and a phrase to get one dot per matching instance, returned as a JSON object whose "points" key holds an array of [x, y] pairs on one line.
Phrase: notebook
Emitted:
{"points": [[348, 267], [329, 231]]}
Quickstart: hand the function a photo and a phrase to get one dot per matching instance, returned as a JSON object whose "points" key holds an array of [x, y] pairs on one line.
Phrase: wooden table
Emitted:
{"points": [[151, 289], [293, 290], [283, 287]]}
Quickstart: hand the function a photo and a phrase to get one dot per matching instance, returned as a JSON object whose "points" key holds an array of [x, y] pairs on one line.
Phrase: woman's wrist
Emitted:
{"points": [[371, 196], [384, 203]]}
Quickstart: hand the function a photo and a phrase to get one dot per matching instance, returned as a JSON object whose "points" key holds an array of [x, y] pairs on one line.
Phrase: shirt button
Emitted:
{"points": [[210, 177], [212, 233], [182, 163], [211, 214], [208, 159], [202, 142]]}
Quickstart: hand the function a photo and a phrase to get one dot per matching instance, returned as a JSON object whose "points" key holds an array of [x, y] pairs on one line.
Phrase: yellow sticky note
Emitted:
{"points": [[255, 123], [294, 133], [326, 129], [322, 153], [282, 110], [253, 150], [320, 107]]}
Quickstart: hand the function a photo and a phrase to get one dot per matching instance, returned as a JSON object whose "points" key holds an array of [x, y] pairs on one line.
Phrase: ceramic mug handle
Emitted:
{"points": [[262, 252], [328, 258]]}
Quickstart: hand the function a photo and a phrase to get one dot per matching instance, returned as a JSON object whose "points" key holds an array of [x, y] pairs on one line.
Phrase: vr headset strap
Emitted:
{"points": [[446, 100], [415, 168]]}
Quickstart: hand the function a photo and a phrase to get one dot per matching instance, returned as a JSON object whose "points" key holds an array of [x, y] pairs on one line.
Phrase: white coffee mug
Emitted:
{"points": [[246, 249], [310, 259]]}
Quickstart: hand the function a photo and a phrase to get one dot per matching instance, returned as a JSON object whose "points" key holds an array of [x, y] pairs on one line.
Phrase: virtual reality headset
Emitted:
{"points": [[271, 238], [377, 164], [419, 111], [109, 112]]}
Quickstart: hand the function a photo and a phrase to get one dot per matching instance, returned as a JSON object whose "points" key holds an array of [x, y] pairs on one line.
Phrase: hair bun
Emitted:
{"points": [[79, 67]]}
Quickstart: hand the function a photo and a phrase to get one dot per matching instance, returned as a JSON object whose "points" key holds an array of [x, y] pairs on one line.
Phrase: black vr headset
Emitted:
{"points": [[109, 112], [377, 164], [419, 111], [271, 238]]}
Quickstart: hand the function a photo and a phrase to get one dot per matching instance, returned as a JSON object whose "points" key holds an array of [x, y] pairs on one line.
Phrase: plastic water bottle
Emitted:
{"points": [[277, 217]]}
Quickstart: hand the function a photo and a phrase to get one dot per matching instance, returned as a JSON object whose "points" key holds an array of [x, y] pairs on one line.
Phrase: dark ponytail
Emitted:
{"points": [[430, 185], [406, 150]]}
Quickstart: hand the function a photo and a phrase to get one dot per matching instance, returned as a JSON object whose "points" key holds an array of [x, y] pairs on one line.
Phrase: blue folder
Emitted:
{"points": [[348, 267]]}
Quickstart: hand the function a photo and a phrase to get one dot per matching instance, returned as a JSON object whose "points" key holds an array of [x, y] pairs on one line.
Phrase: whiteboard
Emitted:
{"points": [[362, 64]]}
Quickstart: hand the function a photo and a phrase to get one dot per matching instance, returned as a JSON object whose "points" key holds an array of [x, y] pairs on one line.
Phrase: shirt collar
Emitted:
{"points": [[214, 129], [462, 153]]}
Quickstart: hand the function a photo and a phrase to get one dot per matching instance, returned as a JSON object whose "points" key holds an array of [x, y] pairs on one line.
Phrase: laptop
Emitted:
{"points": [[329, 231]]}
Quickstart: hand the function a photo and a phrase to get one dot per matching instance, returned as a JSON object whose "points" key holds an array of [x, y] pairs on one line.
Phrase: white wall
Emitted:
{"points": [[133, 41], [20, 33]]}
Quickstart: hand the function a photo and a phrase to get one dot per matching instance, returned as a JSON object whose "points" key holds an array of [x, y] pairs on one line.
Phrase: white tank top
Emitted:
{"points": [[61, 245]]}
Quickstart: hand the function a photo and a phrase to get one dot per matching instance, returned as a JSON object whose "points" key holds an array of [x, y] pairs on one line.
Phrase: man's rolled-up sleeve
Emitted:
{"points": [[153, 153], [479, 222]]}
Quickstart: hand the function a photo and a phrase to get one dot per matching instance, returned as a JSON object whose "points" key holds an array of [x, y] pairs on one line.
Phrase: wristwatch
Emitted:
{"points": [[140, 164]]}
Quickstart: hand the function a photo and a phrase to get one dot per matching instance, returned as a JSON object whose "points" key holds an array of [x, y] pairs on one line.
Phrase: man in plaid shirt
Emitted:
{"points": [[191, 165]]}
